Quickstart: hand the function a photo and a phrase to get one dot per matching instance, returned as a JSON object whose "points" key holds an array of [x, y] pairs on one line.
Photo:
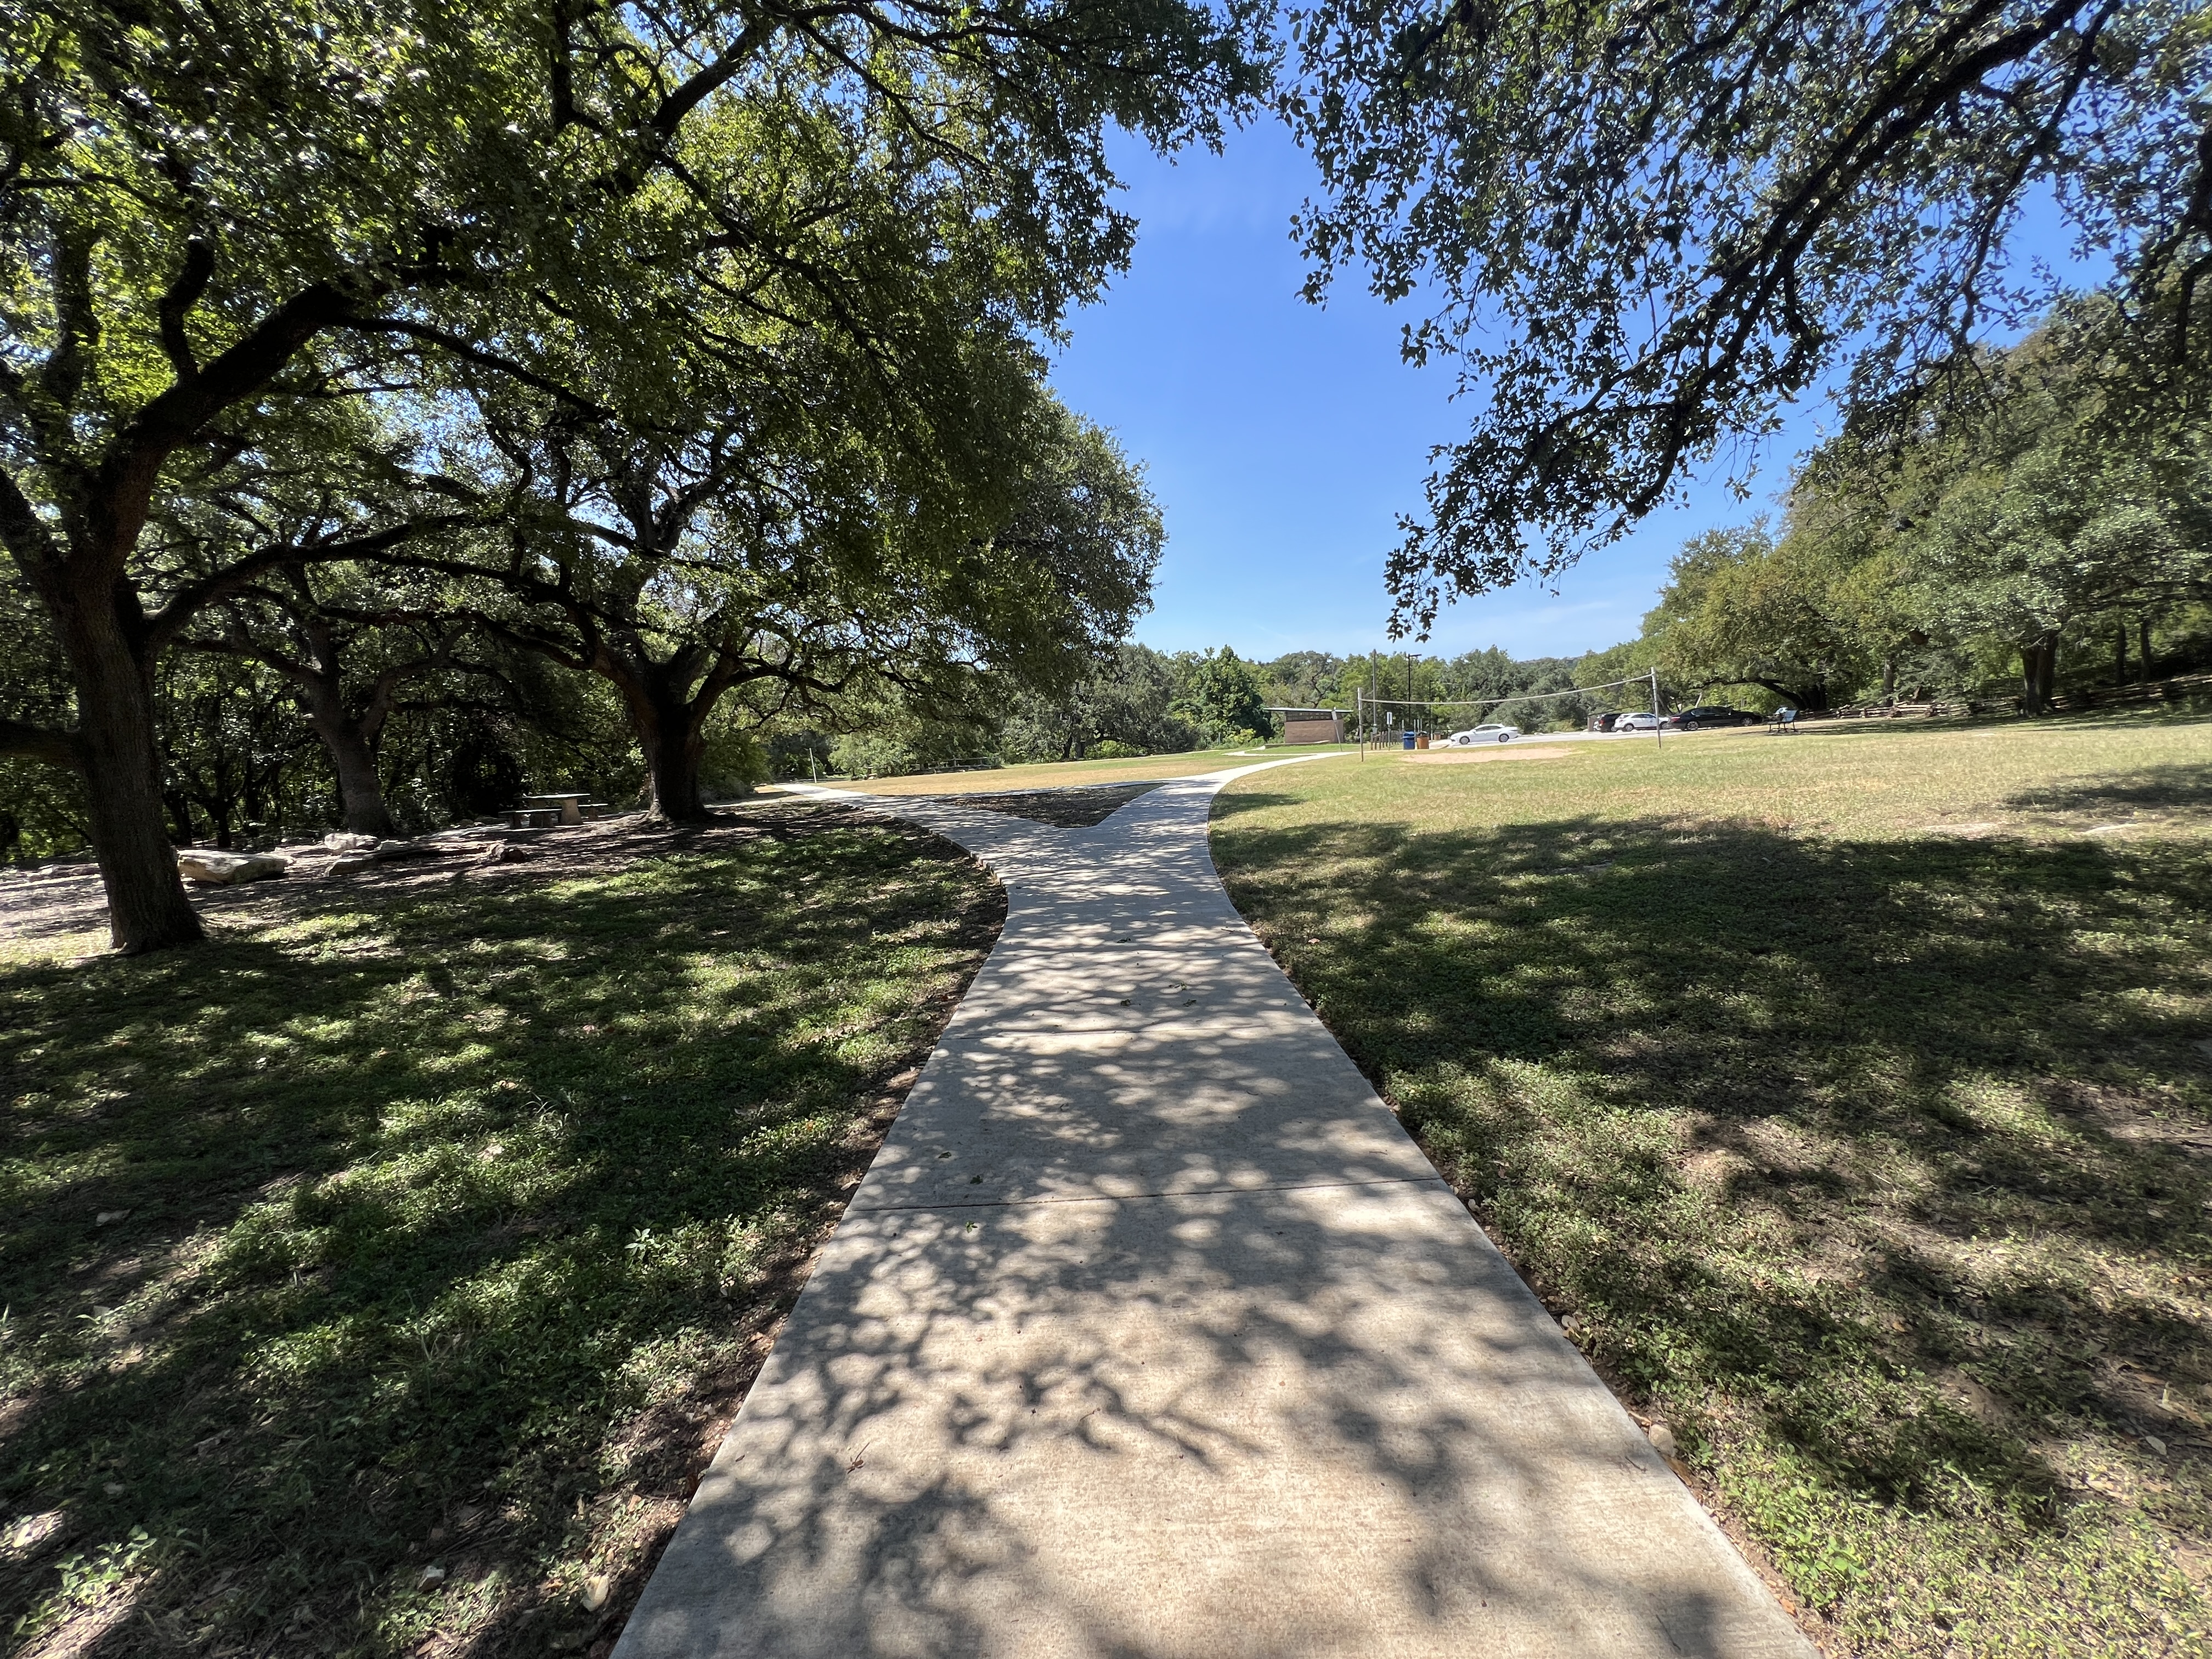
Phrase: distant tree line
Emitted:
{"points": [[1136, 701], [2042, 526]]}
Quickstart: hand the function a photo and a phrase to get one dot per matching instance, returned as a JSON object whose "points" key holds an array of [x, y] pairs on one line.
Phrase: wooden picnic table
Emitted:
{"points": [[570, 807]]}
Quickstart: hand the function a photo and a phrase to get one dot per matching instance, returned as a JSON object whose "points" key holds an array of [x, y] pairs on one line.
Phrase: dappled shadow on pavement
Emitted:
{"points": [[1076, 807], [1302, 1422], [1150, 1334]]}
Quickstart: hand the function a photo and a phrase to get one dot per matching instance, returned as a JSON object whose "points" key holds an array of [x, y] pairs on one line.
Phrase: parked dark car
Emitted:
{"points": [[1708, 714], [1603, 722]]}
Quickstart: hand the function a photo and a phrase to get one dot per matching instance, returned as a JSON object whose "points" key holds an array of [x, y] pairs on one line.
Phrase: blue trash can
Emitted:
{"points": [[1409, 739]]}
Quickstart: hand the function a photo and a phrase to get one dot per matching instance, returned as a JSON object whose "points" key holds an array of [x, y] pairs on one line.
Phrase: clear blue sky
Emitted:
{"points": [[1282, 439]]}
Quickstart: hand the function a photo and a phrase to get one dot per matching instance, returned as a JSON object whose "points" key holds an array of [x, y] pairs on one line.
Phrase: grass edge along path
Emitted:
{"points": [[1849, 1101], [380, 1274], [1064, 775]]}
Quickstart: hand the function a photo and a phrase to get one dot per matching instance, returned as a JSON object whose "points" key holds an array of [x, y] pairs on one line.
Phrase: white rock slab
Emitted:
{"points": [[218, 868]]}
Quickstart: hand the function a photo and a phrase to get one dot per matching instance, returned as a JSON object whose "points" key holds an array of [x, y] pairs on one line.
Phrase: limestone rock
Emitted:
{"points": [[343, 840], [351, 862], [1662, 1440], [220, 869]]}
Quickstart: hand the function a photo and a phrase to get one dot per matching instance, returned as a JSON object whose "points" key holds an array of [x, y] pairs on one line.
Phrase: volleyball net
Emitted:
{"points": [[1376, 719]]}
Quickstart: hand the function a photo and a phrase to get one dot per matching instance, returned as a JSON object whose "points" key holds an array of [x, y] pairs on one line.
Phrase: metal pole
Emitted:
{"points": [[1658, 737]]}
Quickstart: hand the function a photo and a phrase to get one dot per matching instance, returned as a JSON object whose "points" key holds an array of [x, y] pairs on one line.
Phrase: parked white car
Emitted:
{"points": [[1645, 722], [1490, 732]]}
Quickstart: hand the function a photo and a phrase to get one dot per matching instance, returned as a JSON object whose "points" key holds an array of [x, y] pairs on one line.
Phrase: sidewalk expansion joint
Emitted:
{"points": [[1131, 1198]]}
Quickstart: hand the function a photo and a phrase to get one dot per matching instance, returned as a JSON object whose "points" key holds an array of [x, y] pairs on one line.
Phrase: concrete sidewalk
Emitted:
{"points": [[1152, 1335]]}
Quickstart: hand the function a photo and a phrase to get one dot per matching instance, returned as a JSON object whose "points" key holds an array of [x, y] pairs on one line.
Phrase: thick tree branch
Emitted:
{"points": [[484, 357], [20, 741], [182, 295], [121, 487], [25, 535], [197, 596]]}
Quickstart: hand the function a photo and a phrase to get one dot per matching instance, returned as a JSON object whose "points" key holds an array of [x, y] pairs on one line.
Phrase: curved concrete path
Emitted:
{"points": [[1150, 1334]]}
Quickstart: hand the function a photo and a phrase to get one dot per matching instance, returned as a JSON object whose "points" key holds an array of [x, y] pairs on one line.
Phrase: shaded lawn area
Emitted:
{"points": [[1875, 1161], [378, 1275]]}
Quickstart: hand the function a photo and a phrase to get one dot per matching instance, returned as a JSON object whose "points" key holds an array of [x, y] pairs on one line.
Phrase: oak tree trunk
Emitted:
{"points": [[673, 757], [673, 742], [180, 814], [147, 908], [361, 791], [2038, 672]]}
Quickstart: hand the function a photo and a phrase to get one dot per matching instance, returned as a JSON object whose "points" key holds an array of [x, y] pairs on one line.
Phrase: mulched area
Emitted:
{"points": [[1077, 807]]}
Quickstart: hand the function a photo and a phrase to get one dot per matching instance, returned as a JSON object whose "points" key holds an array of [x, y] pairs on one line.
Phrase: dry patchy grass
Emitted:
{"points": [[1006, 780], [1854, 1093]]}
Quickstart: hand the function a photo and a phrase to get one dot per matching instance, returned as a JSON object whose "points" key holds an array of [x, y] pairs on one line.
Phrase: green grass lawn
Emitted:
{"points": [[376, 1276], [1060, 775], [1852, 1094]]}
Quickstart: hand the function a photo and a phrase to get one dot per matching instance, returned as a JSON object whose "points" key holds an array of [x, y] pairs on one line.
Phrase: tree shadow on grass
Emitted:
{"points": [[437, 1222], [1900, 1145], [2170, 789]]}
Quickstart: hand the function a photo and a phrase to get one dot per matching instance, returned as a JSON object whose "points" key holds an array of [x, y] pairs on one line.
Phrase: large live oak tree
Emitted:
{"points": [[1643, 227], [352, 657], [2025, 511], [213, 215], [2022, 506], [824, 572], [1740, 611]]}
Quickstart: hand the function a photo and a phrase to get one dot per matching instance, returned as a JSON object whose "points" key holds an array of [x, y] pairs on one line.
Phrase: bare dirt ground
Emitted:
{"points": [[49, 913]]}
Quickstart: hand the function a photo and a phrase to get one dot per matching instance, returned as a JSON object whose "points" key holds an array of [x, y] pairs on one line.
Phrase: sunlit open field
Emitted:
{"points": [[1061, 775], [1851, 1094]]}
